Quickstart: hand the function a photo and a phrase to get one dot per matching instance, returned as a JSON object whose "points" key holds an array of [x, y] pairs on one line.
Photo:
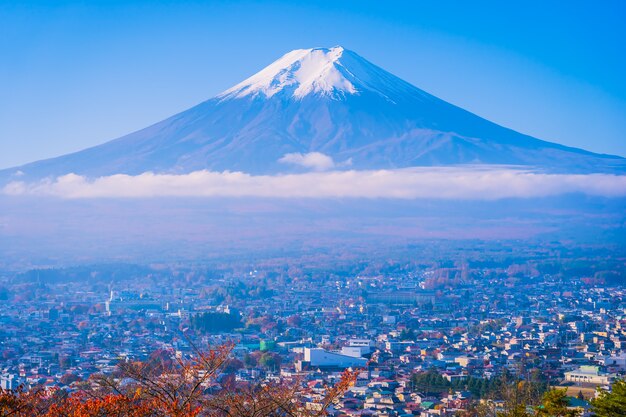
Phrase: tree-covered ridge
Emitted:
{"points": [[433, 382], [212, 322]]}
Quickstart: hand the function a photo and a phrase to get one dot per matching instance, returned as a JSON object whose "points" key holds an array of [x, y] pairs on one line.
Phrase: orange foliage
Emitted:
{"points": [[79, 405], [166, 387]]}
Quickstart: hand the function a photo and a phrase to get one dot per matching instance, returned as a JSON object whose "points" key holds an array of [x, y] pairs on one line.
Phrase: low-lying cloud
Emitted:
{"points": [[414, 183], [312, 160]]}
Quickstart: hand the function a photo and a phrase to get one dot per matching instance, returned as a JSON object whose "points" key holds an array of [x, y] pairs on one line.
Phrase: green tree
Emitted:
{"points": [[611, 404], [518, 410], [408, 334], [249, 361], [554, 404], [270, 360], [516, 397], [215, 322], [430, 381]]}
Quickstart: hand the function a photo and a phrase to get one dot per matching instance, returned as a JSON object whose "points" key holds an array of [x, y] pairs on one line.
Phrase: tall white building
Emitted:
{"points": [[9, 382]]}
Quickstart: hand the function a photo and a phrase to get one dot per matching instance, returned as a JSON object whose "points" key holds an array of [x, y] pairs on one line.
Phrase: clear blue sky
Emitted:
{"points": [[75, 74]]}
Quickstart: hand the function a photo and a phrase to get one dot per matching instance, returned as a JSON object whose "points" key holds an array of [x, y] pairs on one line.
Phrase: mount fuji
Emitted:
{"points": [[320, 109]]}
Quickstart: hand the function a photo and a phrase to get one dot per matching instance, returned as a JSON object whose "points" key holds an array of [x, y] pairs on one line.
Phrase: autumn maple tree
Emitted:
{"points": [[171, 386]]}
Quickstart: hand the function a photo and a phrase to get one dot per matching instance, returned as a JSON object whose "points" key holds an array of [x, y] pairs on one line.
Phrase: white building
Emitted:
{"points": [[9, 382], [618, 362], [589, 375], [361, 343], [318, 357], [354, 351], [358, 348]]}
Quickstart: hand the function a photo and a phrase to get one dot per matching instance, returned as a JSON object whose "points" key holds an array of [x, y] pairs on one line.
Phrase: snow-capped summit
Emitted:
{"points": [[321, 108], [331, 72]]}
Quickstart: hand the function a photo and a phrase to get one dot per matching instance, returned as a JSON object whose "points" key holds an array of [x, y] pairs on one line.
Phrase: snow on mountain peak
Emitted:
{"points": [[332, 72]]}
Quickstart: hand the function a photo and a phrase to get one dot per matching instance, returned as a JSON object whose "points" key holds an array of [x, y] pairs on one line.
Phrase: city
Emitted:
{"points": [[427, 339]]}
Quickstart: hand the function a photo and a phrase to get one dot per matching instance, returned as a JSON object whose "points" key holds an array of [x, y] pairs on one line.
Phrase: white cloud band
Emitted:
{"points": [[440, 183]]}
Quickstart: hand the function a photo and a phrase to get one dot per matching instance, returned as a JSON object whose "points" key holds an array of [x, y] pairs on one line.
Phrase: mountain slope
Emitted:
{"points": [[323, 100]]}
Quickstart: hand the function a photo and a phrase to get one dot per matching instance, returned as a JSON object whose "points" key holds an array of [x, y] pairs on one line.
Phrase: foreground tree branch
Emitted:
{"points": [[167, 386]]}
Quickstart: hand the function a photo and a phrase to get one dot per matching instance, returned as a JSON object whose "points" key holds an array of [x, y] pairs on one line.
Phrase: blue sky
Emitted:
{"points": [[76, 74]]}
